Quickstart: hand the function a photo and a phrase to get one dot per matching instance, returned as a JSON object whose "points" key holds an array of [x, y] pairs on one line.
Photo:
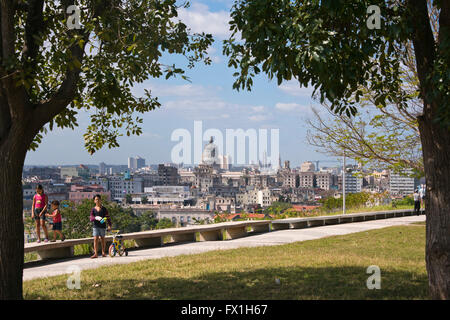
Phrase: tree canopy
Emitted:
{"points": [[327, 44], [62, 71]]}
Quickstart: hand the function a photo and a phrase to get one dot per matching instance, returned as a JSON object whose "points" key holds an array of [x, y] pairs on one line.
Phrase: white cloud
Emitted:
{"points": [[147, 134], [185, 90], [258, 109], [212, 53], [199, 19], [258, 118], [293, 88], [287, 107], [200, 105]]}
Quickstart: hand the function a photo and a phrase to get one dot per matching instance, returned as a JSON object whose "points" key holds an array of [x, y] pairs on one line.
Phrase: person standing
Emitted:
{"points": [[417, 200], [38, 210], [57, 221], [422, 195], [100, 218]]}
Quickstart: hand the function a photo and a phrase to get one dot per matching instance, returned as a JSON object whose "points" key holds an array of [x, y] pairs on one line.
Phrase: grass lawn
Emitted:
{"points": [[328, 268]]}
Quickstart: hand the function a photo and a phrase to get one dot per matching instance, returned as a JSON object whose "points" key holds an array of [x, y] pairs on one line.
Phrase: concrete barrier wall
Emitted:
{"points": [[213, 232]]}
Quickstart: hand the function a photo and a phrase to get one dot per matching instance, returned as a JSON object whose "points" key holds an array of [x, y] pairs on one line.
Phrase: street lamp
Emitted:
{"points": [[343, 186]]}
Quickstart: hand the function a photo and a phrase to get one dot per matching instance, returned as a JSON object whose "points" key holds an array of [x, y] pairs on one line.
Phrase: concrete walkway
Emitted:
{"points": [[53, 268]]}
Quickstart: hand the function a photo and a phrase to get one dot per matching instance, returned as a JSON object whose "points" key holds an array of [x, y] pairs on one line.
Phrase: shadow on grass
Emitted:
{"points": [[294, 283]]}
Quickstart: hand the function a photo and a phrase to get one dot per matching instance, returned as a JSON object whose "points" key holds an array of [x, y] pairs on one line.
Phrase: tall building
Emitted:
{"points": [[132, 163], [353, 184], [168, 175], [401, 183], [102, 168], [204, 177], [324, 180], [307, 179], [140, 162], [225, 163]]}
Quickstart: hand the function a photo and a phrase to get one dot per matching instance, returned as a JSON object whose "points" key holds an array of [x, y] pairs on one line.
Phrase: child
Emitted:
{"points": [[38, 209], [57, 223]]}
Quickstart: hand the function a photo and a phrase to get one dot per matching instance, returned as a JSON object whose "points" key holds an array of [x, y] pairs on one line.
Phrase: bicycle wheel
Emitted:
{"points": [[121, 250], [112, 251]]}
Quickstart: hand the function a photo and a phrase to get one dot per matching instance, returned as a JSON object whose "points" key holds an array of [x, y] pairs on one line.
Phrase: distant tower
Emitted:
{"points": [[132, 163], [140, 162], [102, 168]]}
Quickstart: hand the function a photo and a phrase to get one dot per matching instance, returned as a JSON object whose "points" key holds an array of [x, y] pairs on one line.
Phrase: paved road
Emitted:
{"points": [[264, 239]]}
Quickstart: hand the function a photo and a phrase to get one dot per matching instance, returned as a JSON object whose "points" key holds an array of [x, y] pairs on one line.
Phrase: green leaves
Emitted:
{"points": [[324, 43], [123, 41]]}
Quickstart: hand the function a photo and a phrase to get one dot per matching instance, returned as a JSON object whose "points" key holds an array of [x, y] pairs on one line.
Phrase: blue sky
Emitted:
{"points": [[209, 98]]}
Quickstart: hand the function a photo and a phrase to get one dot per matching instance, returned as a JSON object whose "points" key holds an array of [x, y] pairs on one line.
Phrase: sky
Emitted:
{"points": [[208, 98]]}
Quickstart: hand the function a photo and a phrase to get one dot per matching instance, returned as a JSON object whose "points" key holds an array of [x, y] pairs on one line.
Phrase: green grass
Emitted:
{"points": [[328, 268]]}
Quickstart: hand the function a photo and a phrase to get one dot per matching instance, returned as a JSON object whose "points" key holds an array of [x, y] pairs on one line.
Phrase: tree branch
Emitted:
{"points": [[444, 21], [424, 45], [34, 26], [15, 95], [47, 110]]}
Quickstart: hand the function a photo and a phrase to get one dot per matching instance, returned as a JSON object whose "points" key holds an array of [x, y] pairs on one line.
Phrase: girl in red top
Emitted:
{"points": [[38, 209], [57, 223]]}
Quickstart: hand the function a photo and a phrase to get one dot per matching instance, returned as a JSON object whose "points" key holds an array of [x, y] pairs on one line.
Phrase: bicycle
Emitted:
{"points": [[117, 245]]}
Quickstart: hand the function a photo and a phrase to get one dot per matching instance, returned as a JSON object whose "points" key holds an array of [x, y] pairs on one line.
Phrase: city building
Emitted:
{"points": [[120, 187], [324, 180], [168, 175], [204, 177], [185, 216], [80, 171], [401, 183], [79, 193], [211, 157], [307, 166], [159, 195], [307, 179], [353, 184]]}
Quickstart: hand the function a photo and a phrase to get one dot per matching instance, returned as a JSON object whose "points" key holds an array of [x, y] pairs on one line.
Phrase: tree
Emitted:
{"points": [[164, 223], [378, 136], [335, 47], [76, 222], [148, 220], [380, 141], [53, 66]]}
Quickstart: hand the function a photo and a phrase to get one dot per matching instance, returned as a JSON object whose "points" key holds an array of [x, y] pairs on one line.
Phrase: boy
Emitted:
{"points": [[57, 223]]}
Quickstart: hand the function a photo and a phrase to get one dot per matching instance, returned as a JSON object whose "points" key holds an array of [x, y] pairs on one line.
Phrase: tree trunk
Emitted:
{"points": [[12, 157], [436, 155]]}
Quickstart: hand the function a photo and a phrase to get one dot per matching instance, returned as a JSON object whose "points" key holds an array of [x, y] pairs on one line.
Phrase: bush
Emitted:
{"points": [[352, 200], [407, 201]]}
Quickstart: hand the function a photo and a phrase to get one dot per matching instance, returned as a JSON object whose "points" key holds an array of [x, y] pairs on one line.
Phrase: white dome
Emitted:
{"points": [[210, 153]]}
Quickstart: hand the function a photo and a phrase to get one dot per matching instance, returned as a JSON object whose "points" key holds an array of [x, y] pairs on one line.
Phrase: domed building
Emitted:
{"points": [[307, 166], [210, 155]]}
